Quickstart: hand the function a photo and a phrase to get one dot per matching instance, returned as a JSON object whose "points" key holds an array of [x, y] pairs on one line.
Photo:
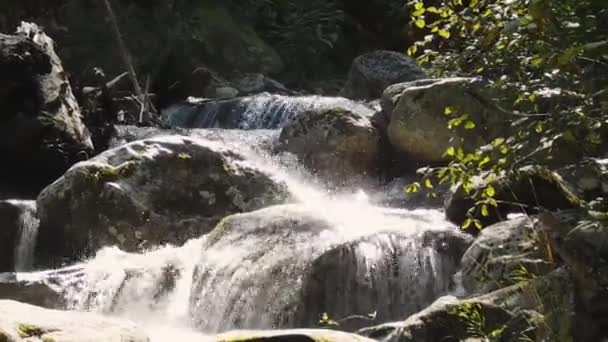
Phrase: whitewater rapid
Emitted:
{"points": [[233, 279]]}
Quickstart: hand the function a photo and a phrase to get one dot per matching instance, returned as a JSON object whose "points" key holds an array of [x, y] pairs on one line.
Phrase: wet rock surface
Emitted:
{"points": [[149, 192]]}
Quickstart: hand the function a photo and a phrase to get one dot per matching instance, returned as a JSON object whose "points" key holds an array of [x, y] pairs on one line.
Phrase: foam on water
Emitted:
{"points": [[262, 111], [253, 278]]}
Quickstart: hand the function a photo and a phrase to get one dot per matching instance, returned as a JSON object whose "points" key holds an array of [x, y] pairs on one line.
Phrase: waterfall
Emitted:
{"points": [[279, 267], [263, 111], [28, 231]]}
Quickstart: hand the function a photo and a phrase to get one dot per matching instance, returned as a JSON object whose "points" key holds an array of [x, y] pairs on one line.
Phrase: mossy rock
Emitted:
{"points": [[146, 193], [28, 330]]}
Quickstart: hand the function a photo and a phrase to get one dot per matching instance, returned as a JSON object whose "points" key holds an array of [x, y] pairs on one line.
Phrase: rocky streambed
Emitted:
{"points": [[275, 218]]}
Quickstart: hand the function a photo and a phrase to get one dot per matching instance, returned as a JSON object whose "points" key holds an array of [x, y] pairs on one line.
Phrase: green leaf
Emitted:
{"points": [[490, 191], [418, 12], [412, 50], [449, 110], [450, 152], [467, 223], [484, 161], [418, 5], [498, 141], [413, 188], [444, 34], [469, 125], [460, 153], [484, 210], [432, 9], [569, 55], [184, 156], [467, 186], [428, 184], [420, 23], [478, 224]]}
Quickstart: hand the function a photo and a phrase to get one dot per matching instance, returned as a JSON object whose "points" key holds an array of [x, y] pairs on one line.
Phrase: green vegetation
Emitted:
{"points": [[472, 317], [546, 63], [27, 330], [304, 31]]}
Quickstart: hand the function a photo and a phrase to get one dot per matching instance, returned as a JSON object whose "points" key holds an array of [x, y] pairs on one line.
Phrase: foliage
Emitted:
{"points": [[472, 317], [304, 31], [546, 62]]}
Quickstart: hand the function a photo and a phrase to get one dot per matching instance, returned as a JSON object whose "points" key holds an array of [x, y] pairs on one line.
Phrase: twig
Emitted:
{"points": [[144, 101], [126, 57]]}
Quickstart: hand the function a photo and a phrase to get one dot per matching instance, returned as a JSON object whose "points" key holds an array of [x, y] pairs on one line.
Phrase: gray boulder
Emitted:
{"points": [[538, 310], [336, 144], [403, 275], [418, 125], [525, 190], [504, 254], [372, 72], [41, 133], [315, 262], [24, 322], [148, 192]]}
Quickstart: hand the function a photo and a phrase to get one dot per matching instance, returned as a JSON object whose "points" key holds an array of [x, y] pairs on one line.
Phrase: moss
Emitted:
{"points": [[27, 330], [127, 169], [48, 339], [322, 339]]}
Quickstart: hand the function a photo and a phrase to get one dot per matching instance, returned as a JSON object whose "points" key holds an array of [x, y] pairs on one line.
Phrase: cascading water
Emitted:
{"points": [[263, 111], [28, 231], [279, 267]]}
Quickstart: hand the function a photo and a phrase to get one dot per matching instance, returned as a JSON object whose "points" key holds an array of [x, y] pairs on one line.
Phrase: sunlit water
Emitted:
{"points": [[262, 111], [28, 231], [278, 268]]}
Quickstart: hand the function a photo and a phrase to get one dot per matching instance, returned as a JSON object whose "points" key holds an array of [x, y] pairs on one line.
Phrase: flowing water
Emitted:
{"points": [[280, 267], [28, 231], [262, 111]]}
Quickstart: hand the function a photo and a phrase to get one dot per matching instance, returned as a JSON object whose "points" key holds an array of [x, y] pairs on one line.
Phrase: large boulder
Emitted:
{"points": [[24, 322], [18, 226], [505, 253], [538, 310], [148, 192], [336, 144], [372, 72], [587, 177], [284, 266], [418, 126], [580, 240], [407, 275], [41, 131], [526, 190]]}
